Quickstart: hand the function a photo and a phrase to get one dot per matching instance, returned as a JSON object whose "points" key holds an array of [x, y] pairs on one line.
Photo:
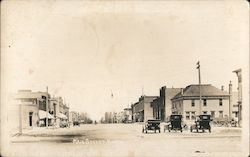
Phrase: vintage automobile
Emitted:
{"points": [[64, 124], [175, 123], [76, 123], [202, 123], [152, 124]]}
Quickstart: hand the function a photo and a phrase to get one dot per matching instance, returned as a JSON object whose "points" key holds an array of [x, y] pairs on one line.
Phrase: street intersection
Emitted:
{"points": [[125, 140]]}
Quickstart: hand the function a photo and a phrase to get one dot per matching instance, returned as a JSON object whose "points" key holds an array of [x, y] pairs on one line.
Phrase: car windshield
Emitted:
{"points": [[175, 117], [205, 117]]}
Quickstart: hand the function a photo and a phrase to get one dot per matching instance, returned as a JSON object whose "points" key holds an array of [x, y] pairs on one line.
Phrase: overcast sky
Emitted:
{"points": [[83, 50]]}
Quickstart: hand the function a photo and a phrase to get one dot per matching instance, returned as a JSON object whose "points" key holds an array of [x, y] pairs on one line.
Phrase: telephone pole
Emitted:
{"points": [[198, 67]]}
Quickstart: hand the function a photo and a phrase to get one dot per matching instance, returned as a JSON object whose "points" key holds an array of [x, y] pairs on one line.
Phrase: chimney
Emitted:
{"points": [[181, 91], [230, 99], [230, 87], [222, 88]]}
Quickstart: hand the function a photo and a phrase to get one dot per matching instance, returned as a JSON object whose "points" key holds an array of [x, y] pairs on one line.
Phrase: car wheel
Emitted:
{"points": [[191, 129], [181, 130], [159, 130], [146, 131], [142, 130], [168, 130]]}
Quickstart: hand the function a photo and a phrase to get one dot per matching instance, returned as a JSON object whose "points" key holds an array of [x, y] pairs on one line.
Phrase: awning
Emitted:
{"points": [[42, 115], [63, 116]]}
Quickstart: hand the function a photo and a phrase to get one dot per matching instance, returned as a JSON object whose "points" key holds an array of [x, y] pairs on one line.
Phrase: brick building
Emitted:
{"points": [[142, 110], [162, 105]]}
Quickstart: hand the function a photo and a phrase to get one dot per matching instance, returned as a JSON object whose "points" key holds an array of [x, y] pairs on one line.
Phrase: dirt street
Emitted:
{"points": [[125, 140]]}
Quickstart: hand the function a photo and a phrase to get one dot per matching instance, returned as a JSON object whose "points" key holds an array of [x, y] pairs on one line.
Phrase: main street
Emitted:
{"points": [[125, 140]]}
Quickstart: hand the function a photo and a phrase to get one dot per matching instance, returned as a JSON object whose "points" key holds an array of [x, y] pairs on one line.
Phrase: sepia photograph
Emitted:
{"points": [[129, 78]]}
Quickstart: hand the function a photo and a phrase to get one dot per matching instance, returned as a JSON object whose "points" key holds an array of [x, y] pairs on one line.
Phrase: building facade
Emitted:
{"points": [[215, 102], [118, 117], [127, 115], [162, 105], [142, 110], [74, 116], [32, 112], [31, 107], [59, 110]]}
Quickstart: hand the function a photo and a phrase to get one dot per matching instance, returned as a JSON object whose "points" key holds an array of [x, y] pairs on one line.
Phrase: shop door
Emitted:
{"points": [[30, 118]]}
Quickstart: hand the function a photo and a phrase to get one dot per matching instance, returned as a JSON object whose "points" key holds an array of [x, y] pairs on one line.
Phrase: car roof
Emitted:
{"points": [[154, 120]]}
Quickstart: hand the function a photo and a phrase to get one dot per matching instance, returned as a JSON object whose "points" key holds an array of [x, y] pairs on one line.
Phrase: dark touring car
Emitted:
{"points": [[153, 125], [202, 123], [175, 123]]}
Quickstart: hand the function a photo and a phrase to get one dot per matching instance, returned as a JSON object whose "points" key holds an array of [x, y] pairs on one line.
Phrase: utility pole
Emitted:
{"points": [[47, 106], [239, 75], [198, 67]]}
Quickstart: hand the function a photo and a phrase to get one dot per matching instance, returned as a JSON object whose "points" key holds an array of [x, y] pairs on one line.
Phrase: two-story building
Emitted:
{"points": [[32, 108], [215, 102], [142, 110], [162, 105], [127, 115], [59, 109]]}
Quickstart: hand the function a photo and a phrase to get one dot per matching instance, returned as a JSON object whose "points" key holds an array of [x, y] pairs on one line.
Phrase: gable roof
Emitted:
{"points": [[206, 90]]}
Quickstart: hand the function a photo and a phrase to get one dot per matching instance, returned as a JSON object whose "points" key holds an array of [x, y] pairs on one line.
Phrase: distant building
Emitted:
{"points": [[127, 115], [60, 110], [142, 110], [117, 117], [162, 105], [84, 118], [74, 116], [215, 102], [109, 117]]}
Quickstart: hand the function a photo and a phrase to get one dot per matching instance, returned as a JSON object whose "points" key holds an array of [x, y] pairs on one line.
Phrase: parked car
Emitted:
{"points": [[76, 123], [63, 124], [175, 123], [152, 124], [202, 123]]}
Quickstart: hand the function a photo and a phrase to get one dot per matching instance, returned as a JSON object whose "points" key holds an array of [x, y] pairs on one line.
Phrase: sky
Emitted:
{"points": [[84, 51]]}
